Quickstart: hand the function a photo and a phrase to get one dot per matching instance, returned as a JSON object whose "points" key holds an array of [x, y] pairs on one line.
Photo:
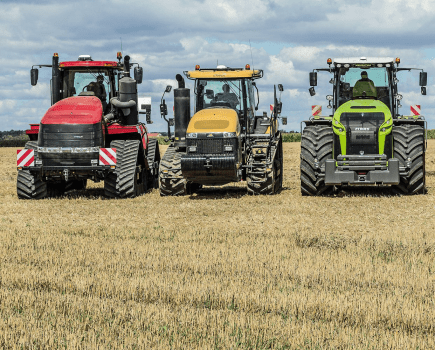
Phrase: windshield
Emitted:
{"points": [[220, 93], [379, 76], [83, 81], [364, 83]]}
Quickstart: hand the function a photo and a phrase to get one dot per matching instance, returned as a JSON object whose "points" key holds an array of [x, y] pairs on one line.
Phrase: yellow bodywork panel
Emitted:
{"points": [[276, 127], [214, 120], [222, 74]]}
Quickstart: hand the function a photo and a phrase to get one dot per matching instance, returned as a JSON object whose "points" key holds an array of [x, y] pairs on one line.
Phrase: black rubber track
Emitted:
{"points": [[259, 181], [30, 186], [316, 147], [172, 182], [126, 181], [153, 158], [408, 141]]}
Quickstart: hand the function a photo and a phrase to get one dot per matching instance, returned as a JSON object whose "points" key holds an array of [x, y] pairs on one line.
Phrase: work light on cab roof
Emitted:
{"points": [[84, 58]]}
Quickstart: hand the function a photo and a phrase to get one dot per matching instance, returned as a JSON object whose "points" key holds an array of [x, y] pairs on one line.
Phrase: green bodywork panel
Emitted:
{"points": [[379, 108]]}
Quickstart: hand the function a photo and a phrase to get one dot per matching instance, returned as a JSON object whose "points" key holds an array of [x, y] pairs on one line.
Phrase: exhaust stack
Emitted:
{"points": [[181, 112]]}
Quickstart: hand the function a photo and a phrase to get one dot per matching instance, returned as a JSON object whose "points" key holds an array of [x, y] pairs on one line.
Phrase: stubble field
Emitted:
{"points": [[218, 270]]}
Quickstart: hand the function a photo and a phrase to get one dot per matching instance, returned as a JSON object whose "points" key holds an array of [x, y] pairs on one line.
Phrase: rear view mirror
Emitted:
{"points": [[168, 88], [313, 79], [346, 86], [209, 93], [278, 107], [138, 74], [284, 120], [312, 91], [280, 87], [423, 90], [34, 76], [423, 78]]}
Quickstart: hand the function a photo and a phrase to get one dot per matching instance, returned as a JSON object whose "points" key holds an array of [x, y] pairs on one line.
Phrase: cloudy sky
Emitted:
{"points": [[288, 38]]}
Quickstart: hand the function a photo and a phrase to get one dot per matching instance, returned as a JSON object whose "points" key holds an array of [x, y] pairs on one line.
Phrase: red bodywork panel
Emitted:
{"points": [[34, 129], [117, 129], [89, 64], [75, 110]]}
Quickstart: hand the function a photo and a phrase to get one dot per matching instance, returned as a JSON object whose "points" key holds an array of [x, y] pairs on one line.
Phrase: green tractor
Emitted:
{"points": [[365, 141]]}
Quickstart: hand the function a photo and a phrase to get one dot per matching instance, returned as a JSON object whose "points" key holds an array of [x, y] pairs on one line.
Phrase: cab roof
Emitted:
{"points": [[224, 73], [368, 60], [105, 64]]}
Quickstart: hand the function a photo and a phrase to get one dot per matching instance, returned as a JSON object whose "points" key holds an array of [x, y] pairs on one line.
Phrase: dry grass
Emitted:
{"points": [[219, 269]]}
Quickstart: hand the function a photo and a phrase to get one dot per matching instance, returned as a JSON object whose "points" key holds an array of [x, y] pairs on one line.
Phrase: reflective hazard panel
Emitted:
{"points": [[107, 156], [316, 110], [25, 157], [416, 109]]}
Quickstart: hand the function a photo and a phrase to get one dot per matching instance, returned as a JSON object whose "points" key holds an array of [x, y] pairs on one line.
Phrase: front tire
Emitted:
{"points": [[316, 147], [409, 149]]}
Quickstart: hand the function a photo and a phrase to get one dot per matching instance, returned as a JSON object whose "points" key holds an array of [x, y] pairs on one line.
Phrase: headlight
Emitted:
{"points": [[192, 149], [228, 148], [229, 134], [192, 135]]}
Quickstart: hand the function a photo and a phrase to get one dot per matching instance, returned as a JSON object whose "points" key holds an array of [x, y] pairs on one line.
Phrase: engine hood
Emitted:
{"points": [[214, 120], [75, 110]]}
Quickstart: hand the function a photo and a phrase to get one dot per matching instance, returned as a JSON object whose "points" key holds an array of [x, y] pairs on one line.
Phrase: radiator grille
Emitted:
{"points": [[362, 132]]}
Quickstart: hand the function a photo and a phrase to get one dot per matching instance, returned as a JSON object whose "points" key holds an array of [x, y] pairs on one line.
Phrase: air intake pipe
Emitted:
{"points": [[181, 112], [126, 101]]}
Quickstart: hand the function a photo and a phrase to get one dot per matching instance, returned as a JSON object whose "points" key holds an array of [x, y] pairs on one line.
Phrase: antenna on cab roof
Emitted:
{"points": [[252, 58]]}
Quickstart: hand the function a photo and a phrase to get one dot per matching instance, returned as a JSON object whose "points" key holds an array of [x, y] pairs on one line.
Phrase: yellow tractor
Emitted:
{"points": [[224, 141]]}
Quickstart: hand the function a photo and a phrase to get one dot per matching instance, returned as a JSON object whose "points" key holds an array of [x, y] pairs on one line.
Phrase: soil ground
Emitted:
{"points": [[219, 269]]}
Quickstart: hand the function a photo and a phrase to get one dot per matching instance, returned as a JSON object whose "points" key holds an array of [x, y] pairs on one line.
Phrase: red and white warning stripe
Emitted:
{"points": [[416, 109], [25, 157], [107, 156], [316, 110]]}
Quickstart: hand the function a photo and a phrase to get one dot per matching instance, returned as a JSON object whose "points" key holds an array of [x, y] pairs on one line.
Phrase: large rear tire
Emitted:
{"points": [[171, 178], [316, 148], [29, 184], [129, 178], [409, 148]]}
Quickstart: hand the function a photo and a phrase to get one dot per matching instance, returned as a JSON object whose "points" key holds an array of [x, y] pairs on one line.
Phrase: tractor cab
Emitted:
{"points": [[227, 89], [371, 78]]}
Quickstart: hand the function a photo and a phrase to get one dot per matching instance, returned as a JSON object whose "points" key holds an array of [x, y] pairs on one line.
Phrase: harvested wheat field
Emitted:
{"points": [[218, 270]]}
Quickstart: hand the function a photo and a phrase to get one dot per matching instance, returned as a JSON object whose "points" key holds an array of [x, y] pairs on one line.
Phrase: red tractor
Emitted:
{"points": [[91, 131]]}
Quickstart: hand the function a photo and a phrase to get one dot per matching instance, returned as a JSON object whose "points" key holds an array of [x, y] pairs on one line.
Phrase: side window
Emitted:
{"points": [[250, 100]]}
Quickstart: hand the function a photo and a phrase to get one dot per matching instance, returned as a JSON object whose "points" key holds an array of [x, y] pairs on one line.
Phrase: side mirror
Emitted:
{"points": [[278, 107], [312, 91], [284, 120], [280, 87], [168, 88], [423, 78], [423, 90], [144, 107], [34, 76], [313, 79], [171, 122], [138, 74], [163, 108]]}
